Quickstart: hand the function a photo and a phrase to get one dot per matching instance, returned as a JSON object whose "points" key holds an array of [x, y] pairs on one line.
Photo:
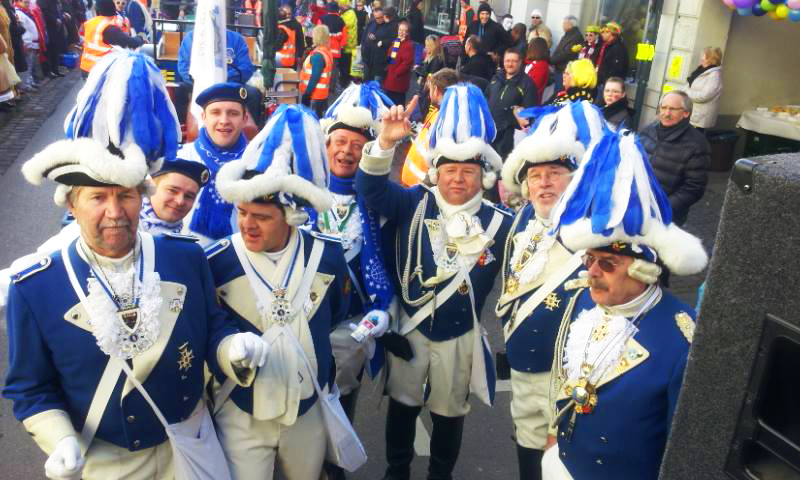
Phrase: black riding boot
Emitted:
{"points": [[530, 463], [401, 425], [445, 445]]}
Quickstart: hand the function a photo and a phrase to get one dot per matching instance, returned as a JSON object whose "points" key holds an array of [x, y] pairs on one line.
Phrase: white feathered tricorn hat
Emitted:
{"points": [[463, 132], [358, 109], [614, 202], [121, 128], [285, 163], [560, 135]]}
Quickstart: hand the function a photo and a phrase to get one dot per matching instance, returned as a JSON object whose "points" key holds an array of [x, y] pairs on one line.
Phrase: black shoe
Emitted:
{"points": [[401, 427], [530, 463], [51, 75], [445, 445], [58, 74]]}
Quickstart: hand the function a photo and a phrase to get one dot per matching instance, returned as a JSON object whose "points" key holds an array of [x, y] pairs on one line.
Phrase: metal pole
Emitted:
{"points": [[643, 72]]}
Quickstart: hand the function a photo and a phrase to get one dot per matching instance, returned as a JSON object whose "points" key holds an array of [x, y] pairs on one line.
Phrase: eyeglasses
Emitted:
{"points": [[537, 178], [607, 265], [536, 18]]}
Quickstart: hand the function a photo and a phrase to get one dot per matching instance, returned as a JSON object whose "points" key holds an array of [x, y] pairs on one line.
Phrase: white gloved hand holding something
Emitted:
{"points": [[248, 350], [381, 321], [66, 461]]}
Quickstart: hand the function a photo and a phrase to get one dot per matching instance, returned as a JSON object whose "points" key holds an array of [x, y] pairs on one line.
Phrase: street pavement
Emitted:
{"points": [[28, 217]]}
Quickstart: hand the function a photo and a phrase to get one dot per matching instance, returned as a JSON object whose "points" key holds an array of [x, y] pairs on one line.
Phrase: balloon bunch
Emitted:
{"points": [[774, 9]]}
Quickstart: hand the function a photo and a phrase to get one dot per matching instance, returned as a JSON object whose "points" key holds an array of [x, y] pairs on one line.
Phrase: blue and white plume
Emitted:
{"points": [[122, 127], [360, 106], [288, 157], [560, 135], [463, 131], [615, 197]]}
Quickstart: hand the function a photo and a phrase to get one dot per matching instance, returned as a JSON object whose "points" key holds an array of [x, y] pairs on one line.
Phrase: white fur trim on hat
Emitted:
{"points": [[235, 190], [680, 251], [89, 157], [466, 150], [548, 142], [356, 117]]}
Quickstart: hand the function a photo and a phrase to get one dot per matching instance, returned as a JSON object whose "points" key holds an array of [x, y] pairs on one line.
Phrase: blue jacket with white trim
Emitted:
{"points": [[55, 363]]}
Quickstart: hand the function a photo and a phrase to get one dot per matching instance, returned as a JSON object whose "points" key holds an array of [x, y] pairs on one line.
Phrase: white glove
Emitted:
{"points": [[66, 461], [381, 321], [248, 350]]}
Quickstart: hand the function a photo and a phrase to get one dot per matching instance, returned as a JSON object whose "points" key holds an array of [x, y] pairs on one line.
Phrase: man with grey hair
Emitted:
{"points": [[679, 154], [567, 49]]}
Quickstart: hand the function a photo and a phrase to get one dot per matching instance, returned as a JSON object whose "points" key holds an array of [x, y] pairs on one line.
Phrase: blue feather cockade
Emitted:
{"points": [[599, 194], [368, 95], [147, 117], [450, 123], [288, 117]]}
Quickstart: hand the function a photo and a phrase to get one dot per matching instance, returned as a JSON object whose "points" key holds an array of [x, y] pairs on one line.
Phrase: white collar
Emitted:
{"points": [[470, 207]]}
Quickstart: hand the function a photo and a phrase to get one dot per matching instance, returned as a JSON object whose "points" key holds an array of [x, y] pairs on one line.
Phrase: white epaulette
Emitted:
{"points": [[28, 271], [217, 247]]}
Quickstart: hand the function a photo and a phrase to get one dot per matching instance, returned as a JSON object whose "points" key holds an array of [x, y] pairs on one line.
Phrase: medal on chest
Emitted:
{"points": [[512, 282], [280, 310]]}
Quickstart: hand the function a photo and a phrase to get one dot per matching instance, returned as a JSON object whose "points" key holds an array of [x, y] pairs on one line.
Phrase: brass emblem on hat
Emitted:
{"points": [[618, 246], [243, 93], [186, 357], [463, 289], [204, 176]]}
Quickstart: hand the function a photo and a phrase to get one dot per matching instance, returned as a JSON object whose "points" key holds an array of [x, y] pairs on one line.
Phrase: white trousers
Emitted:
{"points": [[106, 461], [444, 366], [265, 449], [552, 466], [530, 408]]}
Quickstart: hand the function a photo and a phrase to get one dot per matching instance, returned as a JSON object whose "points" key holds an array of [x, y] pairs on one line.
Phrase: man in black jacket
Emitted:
{"points": [[377, 39], [613, 58], [509, 89], [493, 38], [566, 50], [679, 153], [477, 67]]}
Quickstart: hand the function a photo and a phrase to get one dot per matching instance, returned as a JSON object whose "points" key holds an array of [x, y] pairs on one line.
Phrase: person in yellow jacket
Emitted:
{"points": [[350, 42], [101, 33], [415, 167]]}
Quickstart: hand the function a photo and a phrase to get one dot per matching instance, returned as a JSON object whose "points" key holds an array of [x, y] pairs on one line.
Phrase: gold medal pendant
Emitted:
{"points": [[512, 284], [585, 396], [130, 318]]}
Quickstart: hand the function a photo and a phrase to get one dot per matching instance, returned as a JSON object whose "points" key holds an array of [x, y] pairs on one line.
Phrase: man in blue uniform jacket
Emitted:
{"points": [[538, 270], [112, 296], [287, 285], [350, 122], [621, 353], [451, 240]]}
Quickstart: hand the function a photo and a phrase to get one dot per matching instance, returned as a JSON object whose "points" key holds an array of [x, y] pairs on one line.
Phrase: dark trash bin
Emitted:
{"points": [[722, 145]]}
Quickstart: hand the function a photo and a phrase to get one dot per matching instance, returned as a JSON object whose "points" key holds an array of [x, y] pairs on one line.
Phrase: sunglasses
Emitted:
{"points": [[537, 18], [605, 264]]}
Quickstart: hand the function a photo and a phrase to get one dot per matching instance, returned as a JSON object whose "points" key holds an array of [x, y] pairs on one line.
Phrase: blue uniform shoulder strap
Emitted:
{"points": [[180, 236], [35, 268], [217, 247]]}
